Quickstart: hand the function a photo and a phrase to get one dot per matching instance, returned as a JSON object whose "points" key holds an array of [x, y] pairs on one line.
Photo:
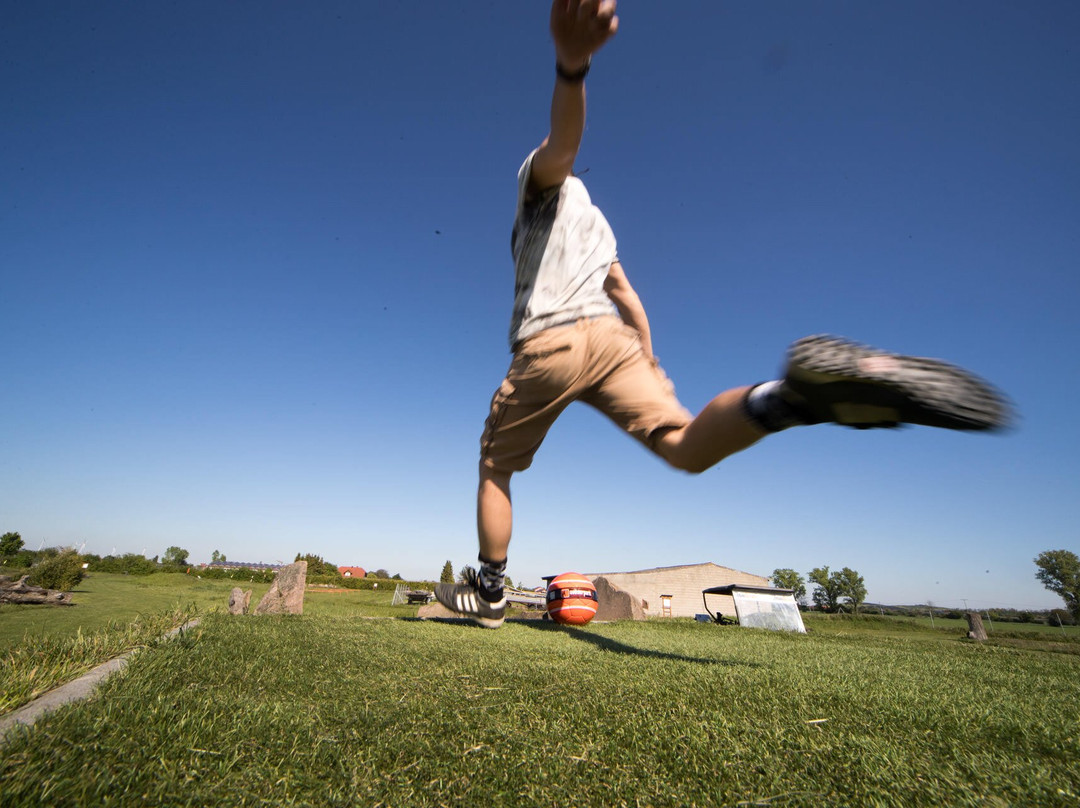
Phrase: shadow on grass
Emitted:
{"points": [[604, 643], [608, 644]]}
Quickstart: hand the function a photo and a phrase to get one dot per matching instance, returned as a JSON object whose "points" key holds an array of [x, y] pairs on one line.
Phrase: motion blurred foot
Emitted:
{"points": [[466, 599], [830, 379]]}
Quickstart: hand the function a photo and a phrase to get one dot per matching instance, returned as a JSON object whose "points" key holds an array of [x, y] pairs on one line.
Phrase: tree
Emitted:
{"points": [[466, 572], [1059, 571], [217, 557], [827, 594], [11, 543], [447, 576], [317, 566], [834, 586], [508, 583], [852, 587], [789, 579], [175, 555], [384, 574]]}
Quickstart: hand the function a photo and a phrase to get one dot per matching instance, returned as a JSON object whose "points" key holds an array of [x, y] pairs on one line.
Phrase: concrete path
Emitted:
{"points": [[73, 691]]}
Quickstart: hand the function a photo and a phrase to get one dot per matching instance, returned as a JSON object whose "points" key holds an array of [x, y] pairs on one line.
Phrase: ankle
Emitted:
{"points": [[767, 406], [491, 579]]}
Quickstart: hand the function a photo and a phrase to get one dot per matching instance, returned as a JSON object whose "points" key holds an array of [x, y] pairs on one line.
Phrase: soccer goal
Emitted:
{"points": [[759, 607]]}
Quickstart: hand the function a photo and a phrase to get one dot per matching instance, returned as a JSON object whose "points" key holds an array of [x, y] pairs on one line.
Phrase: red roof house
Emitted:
{"points": [[352, 572]]}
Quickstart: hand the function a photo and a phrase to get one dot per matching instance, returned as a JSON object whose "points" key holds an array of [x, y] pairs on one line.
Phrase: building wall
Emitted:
{"points": [[684, 584]]}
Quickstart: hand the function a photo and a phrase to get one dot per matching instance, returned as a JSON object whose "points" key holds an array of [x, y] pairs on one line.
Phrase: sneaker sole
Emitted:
{"points": [[862, 387]]}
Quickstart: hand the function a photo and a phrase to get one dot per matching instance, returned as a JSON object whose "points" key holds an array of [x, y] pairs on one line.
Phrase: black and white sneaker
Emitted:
{"points": [[465, 599], [830, 379]]}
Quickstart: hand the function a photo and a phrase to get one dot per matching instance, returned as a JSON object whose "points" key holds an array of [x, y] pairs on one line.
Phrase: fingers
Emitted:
{"points": [[590, 13], [601, 11], [581, 27]]}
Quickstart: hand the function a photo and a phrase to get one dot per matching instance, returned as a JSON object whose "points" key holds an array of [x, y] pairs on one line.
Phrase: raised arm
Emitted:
{"points": [[579, 29], [622, 294]]}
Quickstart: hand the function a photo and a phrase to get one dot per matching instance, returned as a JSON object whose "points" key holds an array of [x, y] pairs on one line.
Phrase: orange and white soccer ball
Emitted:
{"points": [[571, 599]]}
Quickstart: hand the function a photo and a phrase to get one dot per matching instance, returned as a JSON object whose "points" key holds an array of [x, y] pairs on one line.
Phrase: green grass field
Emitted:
{"points": [[42, 647], [103, 599], [333, 708]]}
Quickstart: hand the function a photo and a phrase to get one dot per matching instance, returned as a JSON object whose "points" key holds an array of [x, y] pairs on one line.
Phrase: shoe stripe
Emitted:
{"points": [[466, 603]]}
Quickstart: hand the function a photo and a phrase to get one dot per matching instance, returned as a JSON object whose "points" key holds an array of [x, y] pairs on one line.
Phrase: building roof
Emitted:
{"points": [[677, 568], [352, 572], [677, 591]]}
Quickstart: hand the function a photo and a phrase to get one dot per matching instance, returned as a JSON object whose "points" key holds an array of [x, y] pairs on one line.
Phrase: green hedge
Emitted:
{"points": [[366, 583], [239, 574]]}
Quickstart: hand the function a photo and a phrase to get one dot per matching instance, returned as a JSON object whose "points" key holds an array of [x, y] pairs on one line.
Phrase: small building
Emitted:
{"points": [[676, 591], [352, 572]]}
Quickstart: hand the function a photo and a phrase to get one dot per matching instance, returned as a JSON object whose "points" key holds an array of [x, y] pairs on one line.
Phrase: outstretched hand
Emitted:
{"points": [[580, 28]]}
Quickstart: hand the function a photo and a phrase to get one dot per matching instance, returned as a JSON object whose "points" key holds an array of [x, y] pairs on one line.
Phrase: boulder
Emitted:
{"points": [[239, 600], [435, 609], [615, 603], [286, 595]]}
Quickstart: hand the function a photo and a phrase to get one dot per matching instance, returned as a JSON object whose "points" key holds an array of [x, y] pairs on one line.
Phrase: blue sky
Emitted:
{"points": [[255, 278]]}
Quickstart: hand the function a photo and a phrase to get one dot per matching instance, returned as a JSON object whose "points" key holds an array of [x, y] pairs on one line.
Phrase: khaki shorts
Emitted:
{"points": [[598, 361]]}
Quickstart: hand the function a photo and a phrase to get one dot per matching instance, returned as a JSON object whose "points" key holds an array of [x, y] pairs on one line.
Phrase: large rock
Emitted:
{"points": [[239, 600], [615, 603], [435, 609], [286, 595]]}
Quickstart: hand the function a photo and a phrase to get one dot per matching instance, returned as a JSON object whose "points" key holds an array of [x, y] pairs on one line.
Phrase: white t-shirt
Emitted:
{"points": [[563, 248]]}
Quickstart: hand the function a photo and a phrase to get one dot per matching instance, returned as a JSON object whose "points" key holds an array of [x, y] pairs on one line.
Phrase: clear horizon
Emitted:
{"points": [[256, 281]]}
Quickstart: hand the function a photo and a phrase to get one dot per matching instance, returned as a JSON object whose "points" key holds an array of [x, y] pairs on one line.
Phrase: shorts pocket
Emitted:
{"points": [[545, 344]]}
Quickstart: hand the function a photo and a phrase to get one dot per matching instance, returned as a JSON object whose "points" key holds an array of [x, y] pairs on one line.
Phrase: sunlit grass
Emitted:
{"points": [[325, 710], [104, 599], [42, 661]]}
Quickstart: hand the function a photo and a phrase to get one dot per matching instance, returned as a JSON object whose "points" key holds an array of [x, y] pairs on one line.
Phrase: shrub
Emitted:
{"points": [[23, 559], [62, 571], [127, 564], [1060, 617]]}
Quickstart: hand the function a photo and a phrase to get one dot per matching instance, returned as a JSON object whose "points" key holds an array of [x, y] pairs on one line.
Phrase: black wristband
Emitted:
{"points": [[574, 78]]}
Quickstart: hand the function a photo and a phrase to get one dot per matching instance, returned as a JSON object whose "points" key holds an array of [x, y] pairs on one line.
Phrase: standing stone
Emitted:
{"points": [[239, 600], [975, 627], [615, 603], [286, 595]]}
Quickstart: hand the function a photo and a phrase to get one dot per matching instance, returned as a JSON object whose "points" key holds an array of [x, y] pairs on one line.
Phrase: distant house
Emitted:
{"points": [[676, 591], [352, 572]]}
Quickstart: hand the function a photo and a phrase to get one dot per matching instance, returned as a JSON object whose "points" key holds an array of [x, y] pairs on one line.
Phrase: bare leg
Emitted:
{"points": [[719, 430], [494, 516]]}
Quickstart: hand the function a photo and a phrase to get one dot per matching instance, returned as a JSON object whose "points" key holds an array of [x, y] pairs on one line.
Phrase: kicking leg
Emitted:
{"points": [[720, 430]]}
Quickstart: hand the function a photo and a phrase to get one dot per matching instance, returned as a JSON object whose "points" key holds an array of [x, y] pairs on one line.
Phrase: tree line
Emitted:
{"points": [[834, 590]]}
